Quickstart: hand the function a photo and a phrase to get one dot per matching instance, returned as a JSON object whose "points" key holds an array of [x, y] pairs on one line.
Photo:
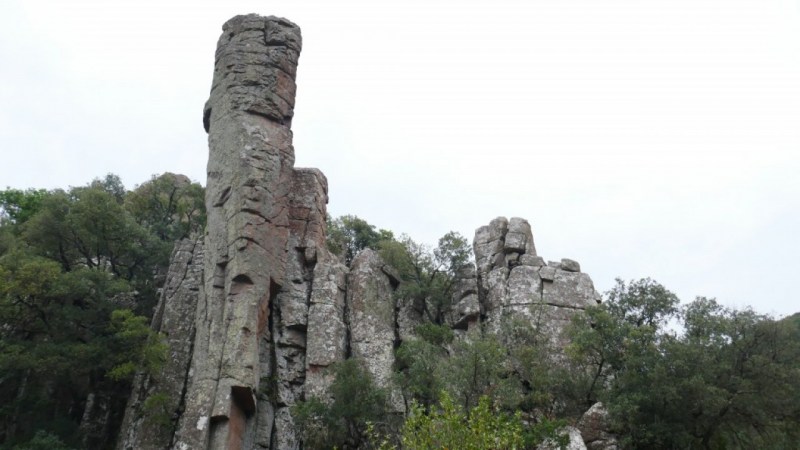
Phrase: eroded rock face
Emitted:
{"points": [[151, 423], [258, 311], [372, 316], [514, 282], [266, 317], [594, 427], [250, 176]]}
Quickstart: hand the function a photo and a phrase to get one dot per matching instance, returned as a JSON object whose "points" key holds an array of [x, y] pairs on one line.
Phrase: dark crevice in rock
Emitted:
{"points": [[272, 376], [207, 121], [561, 305], [240, 284], [182, 401], [348, 352], [244, 398], [223, 196], [396, 311]]}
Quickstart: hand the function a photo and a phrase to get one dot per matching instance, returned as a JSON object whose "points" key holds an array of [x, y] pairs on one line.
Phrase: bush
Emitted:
{"points": [[342, 422], [448, 426]]}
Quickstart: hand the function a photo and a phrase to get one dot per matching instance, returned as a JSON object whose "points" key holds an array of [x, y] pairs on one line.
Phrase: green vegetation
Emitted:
{"points": [[428, 275], [80, 268], [483, 428], [79, 271], [726, 379], [693, 376], [348, 235], [342, 422]]}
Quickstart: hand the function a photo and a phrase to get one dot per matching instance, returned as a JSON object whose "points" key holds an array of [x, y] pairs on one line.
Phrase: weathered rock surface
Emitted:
{"points": [[594, 428], [150, 424], [258, 311], [513, 281], [266, 317], [466, 309], [372, 318]]}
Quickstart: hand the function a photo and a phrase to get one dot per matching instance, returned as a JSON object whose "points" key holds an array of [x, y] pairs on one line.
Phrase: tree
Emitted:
{"points": [[57, 343], [419, 363], [72, 263], [169, 206], [342, 422], [728, 380], [609, 337], [479, 367], [428, 275], [449, 426], [348, 235], [17, 206]]}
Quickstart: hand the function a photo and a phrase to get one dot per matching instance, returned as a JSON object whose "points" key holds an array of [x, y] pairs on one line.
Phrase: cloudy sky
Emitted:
{"points": [[640, 137]]}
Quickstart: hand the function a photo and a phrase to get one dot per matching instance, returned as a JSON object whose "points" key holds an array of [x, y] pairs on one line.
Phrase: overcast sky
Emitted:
{"points": [[654, 138]]}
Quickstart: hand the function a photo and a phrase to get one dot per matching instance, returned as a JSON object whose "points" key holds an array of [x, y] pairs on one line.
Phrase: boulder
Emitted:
{"points": [[570, 265], [594, 426]]}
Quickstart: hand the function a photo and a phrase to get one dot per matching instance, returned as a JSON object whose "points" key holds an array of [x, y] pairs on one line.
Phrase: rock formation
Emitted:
{"points": [[513, 281], [257, 311], [594, 426]]}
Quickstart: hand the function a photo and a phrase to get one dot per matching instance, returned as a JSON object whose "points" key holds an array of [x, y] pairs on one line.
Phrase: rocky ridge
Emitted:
{"points": [[258, 310]]}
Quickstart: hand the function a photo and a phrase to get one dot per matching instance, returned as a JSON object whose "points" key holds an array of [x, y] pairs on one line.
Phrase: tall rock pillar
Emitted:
{"points": [[266, 320], [250, 177]]}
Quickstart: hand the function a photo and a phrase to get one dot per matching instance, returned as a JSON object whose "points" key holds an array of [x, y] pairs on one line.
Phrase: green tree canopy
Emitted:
{"points": [[714, 377], [78, 276], [348, 235]]}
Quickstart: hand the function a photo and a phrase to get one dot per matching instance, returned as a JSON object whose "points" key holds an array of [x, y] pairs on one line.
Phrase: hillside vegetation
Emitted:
{"points": [[79, 275], [80, 271]]}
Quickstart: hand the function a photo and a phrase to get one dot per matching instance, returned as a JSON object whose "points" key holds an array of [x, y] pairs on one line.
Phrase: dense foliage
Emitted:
{"points": [[694, 376], [80, 269], [79, 273], [342, 422]]}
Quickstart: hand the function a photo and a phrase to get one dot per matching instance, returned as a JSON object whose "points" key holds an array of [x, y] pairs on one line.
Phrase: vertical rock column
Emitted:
{"points": [[250, 176], [156, 398]]}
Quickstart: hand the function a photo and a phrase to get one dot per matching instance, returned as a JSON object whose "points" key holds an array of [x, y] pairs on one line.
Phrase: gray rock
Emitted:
{"points": [[519, 237], [371, 315], [570, 265], [175, 318], [524, 286], [465, 309], [270, 315], [569, 289], [488, 243], [258, 311], [548, 273], [531, 260], [594, 426]]}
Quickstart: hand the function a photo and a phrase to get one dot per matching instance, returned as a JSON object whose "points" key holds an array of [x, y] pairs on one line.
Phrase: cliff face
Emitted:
{"points": [[257, 310]]}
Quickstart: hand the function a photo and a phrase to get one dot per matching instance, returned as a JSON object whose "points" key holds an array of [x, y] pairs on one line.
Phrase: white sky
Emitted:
{"points": [[640, 137]]}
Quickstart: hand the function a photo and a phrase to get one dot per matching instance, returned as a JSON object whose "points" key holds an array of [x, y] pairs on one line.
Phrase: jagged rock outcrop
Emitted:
{"points": [[268, 316], [258, 311], [513, 281]]}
